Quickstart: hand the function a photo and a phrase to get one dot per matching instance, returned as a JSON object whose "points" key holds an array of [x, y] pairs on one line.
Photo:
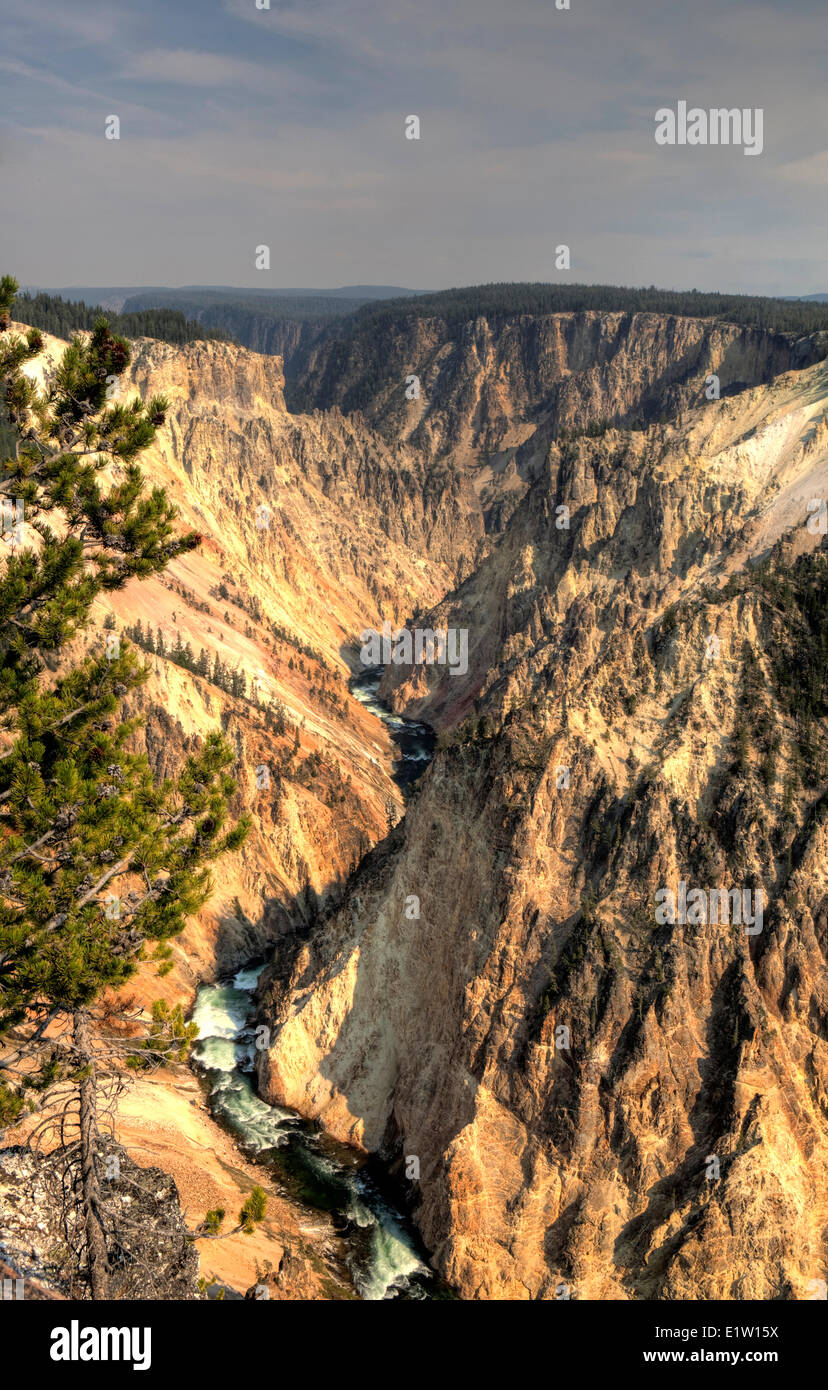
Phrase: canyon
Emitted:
{"points": [[560, 1064]]}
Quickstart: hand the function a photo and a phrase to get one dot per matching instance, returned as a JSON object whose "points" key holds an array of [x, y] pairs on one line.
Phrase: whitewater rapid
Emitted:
{"points": [[383, 1257]]}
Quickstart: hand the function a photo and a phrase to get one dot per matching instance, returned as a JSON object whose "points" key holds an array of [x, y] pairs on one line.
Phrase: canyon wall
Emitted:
{"points": [[594, 1099], [489, 383], [598, 1101]]}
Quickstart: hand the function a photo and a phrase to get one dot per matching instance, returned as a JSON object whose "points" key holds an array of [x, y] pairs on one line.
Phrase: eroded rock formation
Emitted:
{"points": [[634, 1109]]}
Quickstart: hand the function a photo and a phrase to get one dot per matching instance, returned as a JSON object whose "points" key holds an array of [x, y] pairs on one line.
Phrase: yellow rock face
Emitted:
{"points": [[597, 1104], [671, 1141]]}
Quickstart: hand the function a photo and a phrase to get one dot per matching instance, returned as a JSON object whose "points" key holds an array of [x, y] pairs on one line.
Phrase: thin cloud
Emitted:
{"points": [[286, 126], [190, 68]]}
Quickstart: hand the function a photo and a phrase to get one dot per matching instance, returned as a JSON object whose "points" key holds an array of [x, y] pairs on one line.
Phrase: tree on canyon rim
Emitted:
{"points": [[96, 856]]}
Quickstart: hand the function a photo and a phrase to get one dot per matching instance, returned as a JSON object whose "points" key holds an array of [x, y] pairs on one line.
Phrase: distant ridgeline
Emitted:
{"points": [[348, 363], [507, 300], [63, 317], [293, 324], [301, 308], [271, 323]]}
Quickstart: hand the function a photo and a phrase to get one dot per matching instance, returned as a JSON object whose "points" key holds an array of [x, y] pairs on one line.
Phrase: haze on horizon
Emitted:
{"points": [[242, 126]]}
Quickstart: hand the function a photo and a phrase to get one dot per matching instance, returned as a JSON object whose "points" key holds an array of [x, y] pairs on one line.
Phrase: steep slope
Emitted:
{"points": [[494, 389], [488, 383], [597, 1097], [310, 528]]}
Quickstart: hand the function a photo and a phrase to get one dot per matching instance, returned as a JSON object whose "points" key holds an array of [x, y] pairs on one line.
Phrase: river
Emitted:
{"points": [[383, 1256]]}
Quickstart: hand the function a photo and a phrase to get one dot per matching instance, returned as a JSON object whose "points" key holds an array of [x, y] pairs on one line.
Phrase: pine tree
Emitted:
{"points": [[95, 855]]}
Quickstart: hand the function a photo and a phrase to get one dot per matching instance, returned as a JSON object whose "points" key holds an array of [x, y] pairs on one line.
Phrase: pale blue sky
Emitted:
{"points": [[242, 126]]}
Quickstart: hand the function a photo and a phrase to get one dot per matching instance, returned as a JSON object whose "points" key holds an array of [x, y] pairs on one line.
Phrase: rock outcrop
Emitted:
{"points": [[628, 1107], [152, 1256], [597, 1097], [489, 384], [311, 528]]}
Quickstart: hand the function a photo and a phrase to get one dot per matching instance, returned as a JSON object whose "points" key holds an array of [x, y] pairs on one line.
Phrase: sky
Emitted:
{"points": [[285, 127]]}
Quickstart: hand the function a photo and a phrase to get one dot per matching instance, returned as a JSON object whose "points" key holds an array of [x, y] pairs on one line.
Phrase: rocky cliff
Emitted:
{"points": [[594, 1098], [490, 383], [600, 1100], [311, 528]]}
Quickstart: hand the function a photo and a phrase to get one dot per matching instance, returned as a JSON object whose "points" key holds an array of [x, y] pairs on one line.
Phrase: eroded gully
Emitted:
{"points": [[382, 1256]]}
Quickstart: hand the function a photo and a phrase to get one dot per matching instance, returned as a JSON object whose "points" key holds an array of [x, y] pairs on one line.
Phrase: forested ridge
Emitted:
{"points": [[346, 363], [212, 304], [289, 325], [277, 325], [507, 299], [63, 317]]}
